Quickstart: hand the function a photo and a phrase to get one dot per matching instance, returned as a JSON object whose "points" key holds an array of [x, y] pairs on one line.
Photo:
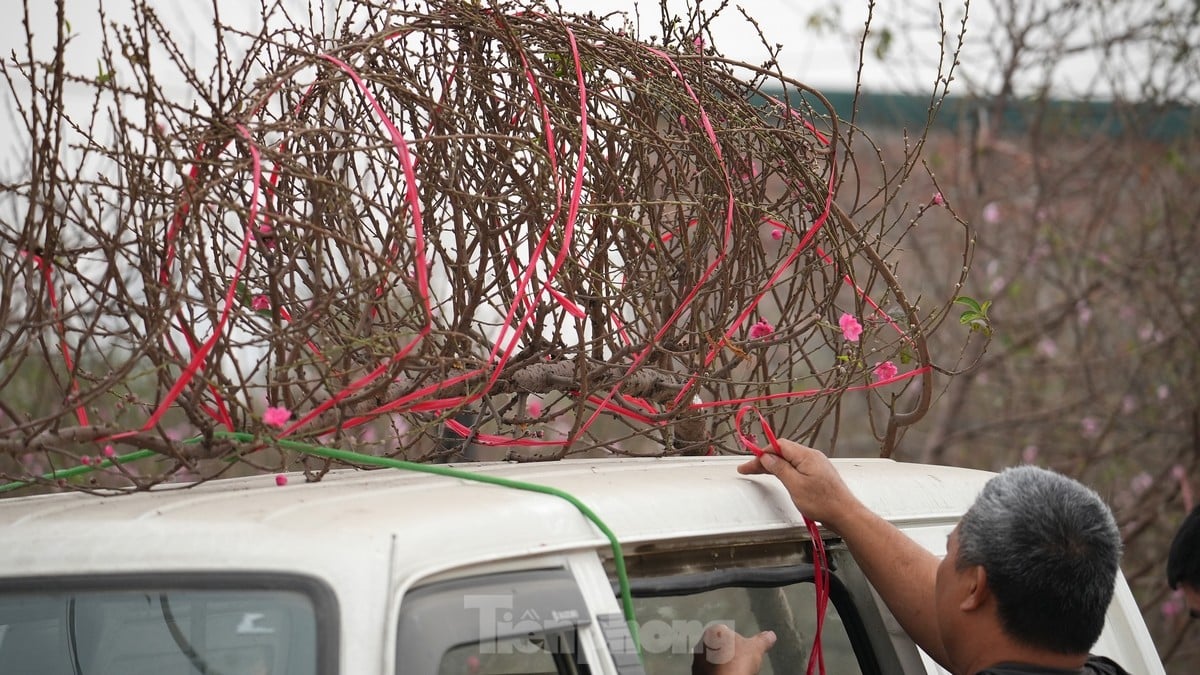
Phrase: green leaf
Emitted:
{"points": [[103, 76], [243, 294], [970, 317], [969, 302], [559, 63]]}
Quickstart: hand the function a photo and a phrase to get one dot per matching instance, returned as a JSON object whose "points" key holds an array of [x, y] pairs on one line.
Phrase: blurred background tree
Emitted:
{"points": [[1071, 147]]}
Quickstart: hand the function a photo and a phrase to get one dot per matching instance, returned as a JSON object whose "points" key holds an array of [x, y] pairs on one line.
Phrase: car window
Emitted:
{"points": [[158, 630], [512, 623], [670, 626]]}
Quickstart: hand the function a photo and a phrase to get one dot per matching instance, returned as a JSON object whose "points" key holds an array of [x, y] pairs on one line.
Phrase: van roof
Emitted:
{"points": [[427, 522]]}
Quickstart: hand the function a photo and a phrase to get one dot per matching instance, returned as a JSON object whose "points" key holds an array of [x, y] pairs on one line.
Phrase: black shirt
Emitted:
{"points": [[1096, 665]]}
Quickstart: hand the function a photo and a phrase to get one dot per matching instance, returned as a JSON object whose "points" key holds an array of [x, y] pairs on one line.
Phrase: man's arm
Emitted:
{"points": [[901, 571]]}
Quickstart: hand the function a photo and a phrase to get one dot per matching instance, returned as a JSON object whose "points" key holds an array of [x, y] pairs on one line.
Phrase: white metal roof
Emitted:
{"points": [[357, 519]]}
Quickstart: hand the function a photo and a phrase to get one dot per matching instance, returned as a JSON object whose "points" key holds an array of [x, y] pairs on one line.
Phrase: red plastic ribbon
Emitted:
{"points": [[747, 440], [48, 279], [816, 658]]}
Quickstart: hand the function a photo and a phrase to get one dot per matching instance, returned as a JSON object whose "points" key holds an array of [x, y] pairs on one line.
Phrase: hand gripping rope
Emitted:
{"points": [[816, 658]]}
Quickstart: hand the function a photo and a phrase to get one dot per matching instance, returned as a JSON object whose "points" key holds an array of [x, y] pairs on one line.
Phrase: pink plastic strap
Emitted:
{"points": [[748, 440]]}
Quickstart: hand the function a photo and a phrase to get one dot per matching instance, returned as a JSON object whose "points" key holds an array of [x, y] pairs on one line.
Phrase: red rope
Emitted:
{"points": [[821, 581], [899, 377], [422, 272], [48, 282], [726, 239], [197, 361]]}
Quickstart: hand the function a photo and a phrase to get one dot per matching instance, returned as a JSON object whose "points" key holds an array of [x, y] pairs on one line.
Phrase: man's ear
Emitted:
{"points": [[978, 592]]}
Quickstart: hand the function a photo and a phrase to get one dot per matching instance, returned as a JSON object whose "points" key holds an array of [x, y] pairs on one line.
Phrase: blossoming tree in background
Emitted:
{"points": [[1081, 190]]}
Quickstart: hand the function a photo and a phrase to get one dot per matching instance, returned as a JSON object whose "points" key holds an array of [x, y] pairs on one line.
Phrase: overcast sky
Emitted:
{"points": [[825, 59]]}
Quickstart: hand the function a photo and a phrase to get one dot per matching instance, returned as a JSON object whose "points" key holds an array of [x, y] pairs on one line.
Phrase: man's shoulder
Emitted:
{"points": [[1102, 665], [1096, 665]]}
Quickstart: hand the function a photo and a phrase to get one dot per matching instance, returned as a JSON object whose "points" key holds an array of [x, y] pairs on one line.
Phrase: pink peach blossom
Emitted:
{"points": [[1084, 312], [761, 329], [885, 371], [260, 303], [850, 326], [1047, 347], [1141, 482], [1089, 427], [991, 213], [276, 416]]}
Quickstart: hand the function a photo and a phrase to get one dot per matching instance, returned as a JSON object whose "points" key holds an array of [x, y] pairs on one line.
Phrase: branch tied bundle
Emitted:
{"points": [[481, 230]]}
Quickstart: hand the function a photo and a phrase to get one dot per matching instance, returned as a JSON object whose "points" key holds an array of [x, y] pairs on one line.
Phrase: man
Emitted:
{"points": [[1027, 579], [1183, 562]]}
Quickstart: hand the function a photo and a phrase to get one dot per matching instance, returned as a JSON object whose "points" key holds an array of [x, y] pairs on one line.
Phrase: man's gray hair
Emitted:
{"points": [[1051, 550]]}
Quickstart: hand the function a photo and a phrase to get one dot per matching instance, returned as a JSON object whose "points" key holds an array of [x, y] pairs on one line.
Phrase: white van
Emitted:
{"points": [[393, 572]]}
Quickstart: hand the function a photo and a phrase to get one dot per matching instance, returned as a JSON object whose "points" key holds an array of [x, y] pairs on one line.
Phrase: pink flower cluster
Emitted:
{"points": [[851, 328], [277, 416], [885, 371], [761, 329]]}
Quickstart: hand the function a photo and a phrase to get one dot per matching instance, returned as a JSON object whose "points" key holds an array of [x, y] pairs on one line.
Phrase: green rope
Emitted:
{"points": [[81, 469], [387, 462]]}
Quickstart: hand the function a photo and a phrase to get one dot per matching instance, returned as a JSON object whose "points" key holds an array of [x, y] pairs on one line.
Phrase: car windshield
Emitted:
{"points": [[158, 631]]}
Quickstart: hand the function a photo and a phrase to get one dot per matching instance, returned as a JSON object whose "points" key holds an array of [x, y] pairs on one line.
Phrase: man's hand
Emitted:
{"points": [[721, 651], [903, 572], [811, 480]]}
